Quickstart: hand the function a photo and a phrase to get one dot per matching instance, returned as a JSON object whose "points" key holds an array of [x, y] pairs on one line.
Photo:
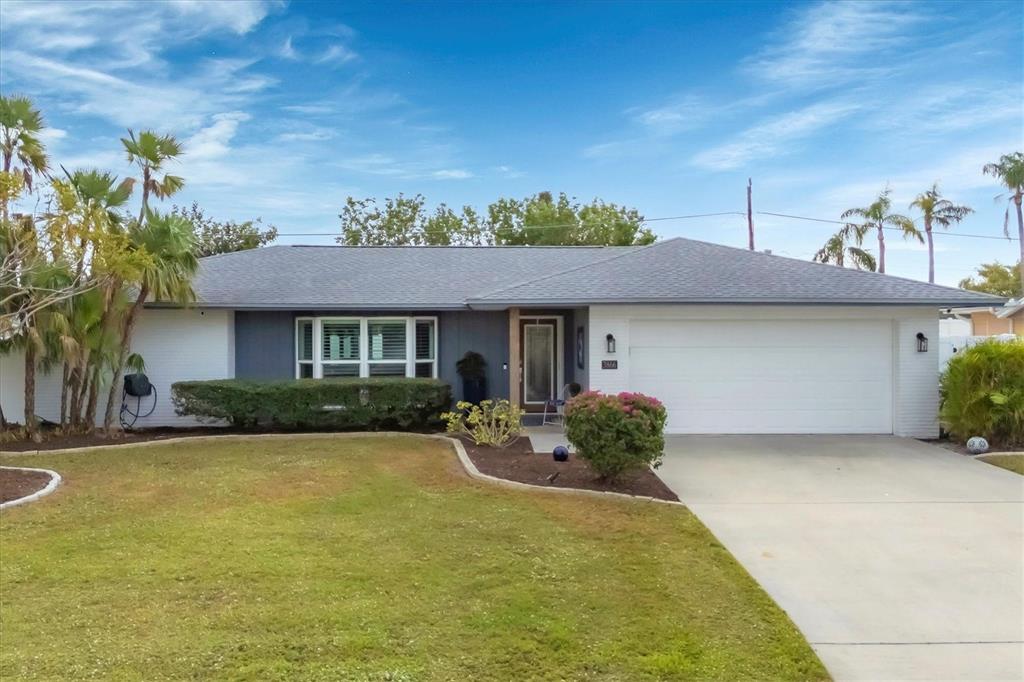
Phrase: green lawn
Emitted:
{"points": [[1014, 463], [365, 559]]}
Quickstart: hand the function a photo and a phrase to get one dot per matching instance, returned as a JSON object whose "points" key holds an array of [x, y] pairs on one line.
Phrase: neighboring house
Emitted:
{"points": [[732, 341], [995, 320]]}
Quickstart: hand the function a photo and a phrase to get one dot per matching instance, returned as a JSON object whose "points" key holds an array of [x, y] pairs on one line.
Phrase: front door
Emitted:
{"points": [[539, 361]]}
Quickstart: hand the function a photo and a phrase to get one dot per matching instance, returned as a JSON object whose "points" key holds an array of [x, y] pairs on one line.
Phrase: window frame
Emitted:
{"points": [[364, 362], [299, 321]]}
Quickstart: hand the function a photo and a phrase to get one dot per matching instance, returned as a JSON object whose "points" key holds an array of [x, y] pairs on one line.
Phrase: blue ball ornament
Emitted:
{"points": [[560, 453]]}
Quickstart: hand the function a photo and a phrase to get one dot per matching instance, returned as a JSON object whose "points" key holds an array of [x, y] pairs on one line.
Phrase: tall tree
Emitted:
{"points": [[213, 236], [542, 219], [20, 126], [1009, 170], [878, 216], [167, 276], [997, 279], [937, 210], [150, 152], [845, 244]]}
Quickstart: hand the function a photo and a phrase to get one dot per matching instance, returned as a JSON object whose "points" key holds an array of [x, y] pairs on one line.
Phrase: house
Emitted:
{"points": [[732, 341], [993, 320]]}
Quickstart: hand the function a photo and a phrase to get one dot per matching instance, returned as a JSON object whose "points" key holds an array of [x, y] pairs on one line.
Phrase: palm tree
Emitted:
{"points": [[877, 216], [1010, 171], [170, 241], [149, 152], [20, 125], [937, 211], [838, 248]]}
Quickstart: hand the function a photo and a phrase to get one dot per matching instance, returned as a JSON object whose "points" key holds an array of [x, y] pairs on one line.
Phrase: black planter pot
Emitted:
{"points": [[474, 390]]}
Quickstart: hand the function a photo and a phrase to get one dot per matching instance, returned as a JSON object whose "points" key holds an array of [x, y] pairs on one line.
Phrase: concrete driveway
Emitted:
{"points": [[898, 560]]}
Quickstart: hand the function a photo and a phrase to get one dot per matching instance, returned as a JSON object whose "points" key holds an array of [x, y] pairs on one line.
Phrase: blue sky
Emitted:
{"points": [[287, 108]]}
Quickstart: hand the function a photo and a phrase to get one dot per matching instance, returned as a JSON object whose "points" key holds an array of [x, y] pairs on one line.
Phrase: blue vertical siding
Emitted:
{"points": [[264, 344], [485, 332]]}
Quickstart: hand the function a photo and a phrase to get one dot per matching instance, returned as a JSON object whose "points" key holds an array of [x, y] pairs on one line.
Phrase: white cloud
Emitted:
{"points": [[336, 54], [830, 43], [775, 136], [312, 135], [127, 34], [685, 112], [508, 172], [451, 174], [214, 140], [287, 50]]}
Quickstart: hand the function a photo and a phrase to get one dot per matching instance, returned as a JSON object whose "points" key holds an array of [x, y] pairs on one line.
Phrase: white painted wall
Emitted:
{"points": [[177, 345], [915, 380]]}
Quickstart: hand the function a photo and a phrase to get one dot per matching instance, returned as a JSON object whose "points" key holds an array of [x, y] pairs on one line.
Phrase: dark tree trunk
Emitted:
{"points": [[65, 375], [1020, 235], [30, 390]]}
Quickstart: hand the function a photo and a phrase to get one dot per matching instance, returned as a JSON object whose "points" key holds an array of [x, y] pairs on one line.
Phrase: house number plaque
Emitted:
{"points": [[609, 364]]}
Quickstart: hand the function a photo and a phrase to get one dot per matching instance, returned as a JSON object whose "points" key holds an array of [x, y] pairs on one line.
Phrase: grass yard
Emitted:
{"points": [[1014, 463], [365, 559]]}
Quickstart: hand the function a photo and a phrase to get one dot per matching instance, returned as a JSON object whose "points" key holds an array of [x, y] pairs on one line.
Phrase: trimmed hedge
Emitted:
{"points": [[377, 404]]}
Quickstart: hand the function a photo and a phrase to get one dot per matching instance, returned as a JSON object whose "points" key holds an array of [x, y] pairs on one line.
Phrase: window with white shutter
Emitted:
{"points": [[365, 346]]}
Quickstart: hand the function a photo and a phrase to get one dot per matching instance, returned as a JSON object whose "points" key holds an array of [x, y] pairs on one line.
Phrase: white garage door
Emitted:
{"points": [[776, 376]]}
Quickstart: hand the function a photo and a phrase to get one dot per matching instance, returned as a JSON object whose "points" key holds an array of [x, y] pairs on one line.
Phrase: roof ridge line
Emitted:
{"points": [[638, 249], [831, 265]]}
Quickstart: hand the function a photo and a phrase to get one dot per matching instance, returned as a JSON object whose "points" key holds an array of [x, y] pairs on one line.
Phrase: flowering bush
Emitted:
{"points": [[614, 433], [489, 423]]}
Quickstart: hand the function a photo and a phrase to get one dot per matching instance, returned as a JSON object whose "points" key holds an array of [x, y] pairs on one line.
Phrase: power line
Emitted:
{"points": [[897, 229], [690, 216]]}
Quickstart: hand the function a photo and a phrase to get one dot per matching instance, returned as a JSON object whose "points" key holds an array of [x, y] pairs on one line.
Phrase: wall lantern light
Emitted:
{"points": [[610, 343], [922, 343]]}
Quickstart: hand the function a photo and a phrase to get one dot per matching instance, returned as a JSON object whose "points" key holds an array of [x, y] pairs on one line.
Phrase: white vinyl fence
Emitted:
{"points": [[951, 345]]}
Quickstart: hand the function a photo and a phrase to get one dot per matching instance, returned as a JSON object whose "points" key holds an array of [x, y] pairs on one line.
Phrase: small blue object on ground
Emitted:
{"points": [[561, 453]]}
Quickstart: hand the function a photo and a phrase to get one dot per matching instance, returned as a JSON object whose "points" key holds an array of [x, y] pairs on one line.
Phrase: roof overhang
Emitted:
{"points": [[498, 304]]}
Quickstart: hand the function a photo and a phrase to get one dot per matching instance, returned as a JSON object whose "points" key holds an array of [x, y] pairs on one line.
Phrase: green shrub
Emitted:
{"points": [[614, 433], [489, 423], [377, 404], [983, 393]]}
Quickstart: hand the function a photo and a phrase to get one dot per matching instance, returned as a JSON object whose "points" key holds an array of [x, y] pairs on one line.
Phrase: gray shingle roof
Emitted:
{"points": [[340, 277], [687, 271], [674, 271]]}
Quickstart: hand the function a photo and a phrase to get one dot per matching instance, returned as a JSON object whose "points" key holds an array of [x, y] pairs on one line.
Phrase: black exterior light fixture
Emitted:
{"points": [[609, 343], [922, 343]]}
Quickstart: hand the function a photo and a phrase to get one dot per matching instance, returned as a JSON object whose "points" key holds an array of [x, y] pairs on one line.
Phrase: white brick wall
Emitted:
{"points": [[916, 375], [177, 345]]}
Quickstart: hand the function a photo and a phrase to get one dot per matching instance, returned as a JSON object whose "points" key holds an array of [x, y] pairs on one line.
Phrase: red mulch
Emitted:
{"points": [[518, 462], [15, 484]]}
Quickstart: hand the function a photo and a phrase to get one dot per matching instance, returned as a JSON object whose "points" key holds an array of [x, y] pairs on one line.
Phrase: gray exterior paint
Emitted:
{"points": [[264, 344], [484, 332]]}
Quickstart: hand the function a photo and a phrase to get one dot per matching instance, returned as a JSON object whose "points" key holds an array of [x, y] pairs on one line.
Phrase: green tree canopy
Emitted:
{"points": [[996, 278], [215, 236], [541, 219]]}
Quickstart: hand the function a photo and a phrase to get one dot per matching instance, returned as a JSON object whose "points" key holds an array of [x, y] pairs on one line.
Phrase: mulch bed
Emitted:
{"points": [[53, 441], [961, 449], [15, 484], [518, 462]]}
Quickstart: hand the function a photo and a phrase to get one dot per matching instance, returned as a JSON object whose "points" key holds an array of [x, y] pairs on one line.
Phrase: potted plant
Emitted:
{"points": [[472, 368]]}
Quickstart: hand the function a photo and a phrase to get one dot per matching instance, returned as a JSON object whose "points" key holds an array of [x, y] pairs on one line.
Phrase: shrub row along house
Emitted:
{"points": [[732, 341]]}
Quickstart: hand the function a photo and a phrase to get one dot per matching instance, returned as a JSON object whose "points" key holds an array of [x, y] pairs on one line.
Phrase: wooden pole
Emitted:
{"points": [[513, 356], [750, 214]]}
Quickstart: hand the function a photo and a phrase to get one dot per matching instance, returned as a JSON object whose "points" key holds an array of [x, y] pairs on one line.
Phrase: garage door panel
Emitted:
{"points": [[769, 377], [769, 334]]}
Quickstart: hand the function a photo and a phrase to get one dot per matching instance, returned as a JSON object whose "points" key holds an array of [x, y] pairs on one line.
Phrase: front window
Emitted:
{"points": [[365, 347]]}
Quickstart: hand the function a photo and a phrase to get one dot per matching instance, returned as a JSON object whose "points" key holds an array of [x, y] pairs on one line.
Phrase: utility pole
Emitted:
{"points": [[750, 213]]}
